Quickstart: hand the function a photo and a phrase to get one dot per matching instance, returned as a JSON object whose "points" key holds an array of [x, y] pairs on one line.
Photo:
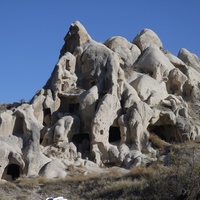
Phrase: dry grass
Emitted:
{"points": [[27, 183], [157, 142], [153, 182], [8, 185], [143, 171]]}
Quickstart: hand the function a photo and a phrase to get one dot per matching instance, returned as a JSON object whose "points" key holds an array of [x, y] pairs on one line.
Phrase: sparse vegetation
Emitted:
{"points": [[179, 180]]}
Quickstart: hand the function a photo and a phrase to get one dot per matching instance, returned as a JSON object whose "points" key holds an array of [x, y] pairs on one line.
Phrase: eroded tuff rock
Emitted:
{"points": [[99, 106]]}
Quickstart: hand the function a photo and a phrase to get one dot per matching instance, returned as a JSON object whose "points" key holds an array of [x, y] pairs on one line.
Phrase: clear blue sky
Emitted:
{"points": [[32, 32]]}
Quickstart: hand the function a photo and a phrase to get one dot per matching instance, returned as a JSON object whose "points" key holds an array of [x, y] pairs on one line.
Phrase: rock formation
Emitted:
{"points": [[99, 106]]}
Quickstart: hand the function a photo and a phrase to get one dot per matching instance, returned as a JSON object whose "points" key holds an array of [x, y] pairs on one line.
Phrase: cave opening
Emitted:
{"points": [[67, 106], [47, 116], [114, 134], [63, 105], [18, 127], [11, 172], [165, 132], [73, 108], [82, 142]]}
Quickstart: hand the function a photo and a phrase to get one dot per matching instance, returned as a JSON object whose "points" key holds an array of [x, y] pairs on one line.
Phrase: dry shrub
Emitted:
{"points": [[189, 144], [22, 196], [81, 177], [8, 190], [8, 185], [142, 171], [27, 183], [157, 142], [113, 172], [42, 180]]}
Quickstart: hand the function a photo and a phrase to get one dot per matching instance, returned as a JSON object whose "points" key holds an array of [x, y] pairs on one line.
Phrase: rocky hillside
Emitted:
{"points": [[100, 105]]}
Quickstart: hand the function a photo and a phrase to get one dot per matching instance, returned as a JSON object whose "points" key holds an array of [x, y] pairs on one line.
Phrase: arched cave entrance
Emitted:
{"points": [[11, 172], [114, 134]]}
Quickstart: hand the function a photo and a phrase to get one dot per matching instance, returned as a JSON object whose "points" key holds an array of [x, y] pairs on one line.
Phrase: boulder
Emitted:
{"points": [[177, 62], [176, 81], [154, 63], [53, 169], [150, 90], [189, 59], [145, 38], [128, 53]]}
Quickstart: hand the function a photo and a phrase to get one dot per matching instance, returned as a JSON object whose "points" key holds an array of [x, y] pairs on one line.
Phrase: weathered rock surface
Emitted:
{"points": [[145, 38], [99, 106]]}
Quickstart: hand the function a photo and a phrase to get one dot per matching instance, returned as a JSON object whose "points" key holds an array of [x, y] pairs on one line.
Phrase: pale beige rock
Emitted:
{"points": [[193, 76], [163, 118], [189, 59], [127, 52], [104, 117], [145, 38], [76, 36], [53, 169], [88, 101], [150, 90], [28, 128], [176, 80], [7, 121], [91, 73], [37, 102], [174, 60], [133, 125], [127, 94], [63, 78], [139, 116], [154, 63], [136, 158], [11, 154], [65, 128]]}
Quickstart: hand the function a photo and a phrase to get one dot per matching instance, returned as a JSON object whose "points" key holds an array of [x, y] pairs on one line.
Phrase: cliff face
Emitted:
{"points": [[99, 106]]}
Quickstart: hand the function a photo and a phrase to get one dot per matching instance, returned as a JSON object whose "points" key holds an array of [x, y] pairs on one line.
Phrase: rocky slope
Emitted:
{"points": [[100, 105]]}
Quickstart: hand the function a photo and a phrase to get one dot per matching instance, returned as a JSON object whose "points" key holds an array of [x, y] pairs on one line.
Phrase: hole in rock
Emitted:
{"points": [[47, 111], [165, 132], [73, 108], [18, 127], [67, 106], [63, 105], [11, 172], [114, 134], [81, 141], [47, 116]]}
